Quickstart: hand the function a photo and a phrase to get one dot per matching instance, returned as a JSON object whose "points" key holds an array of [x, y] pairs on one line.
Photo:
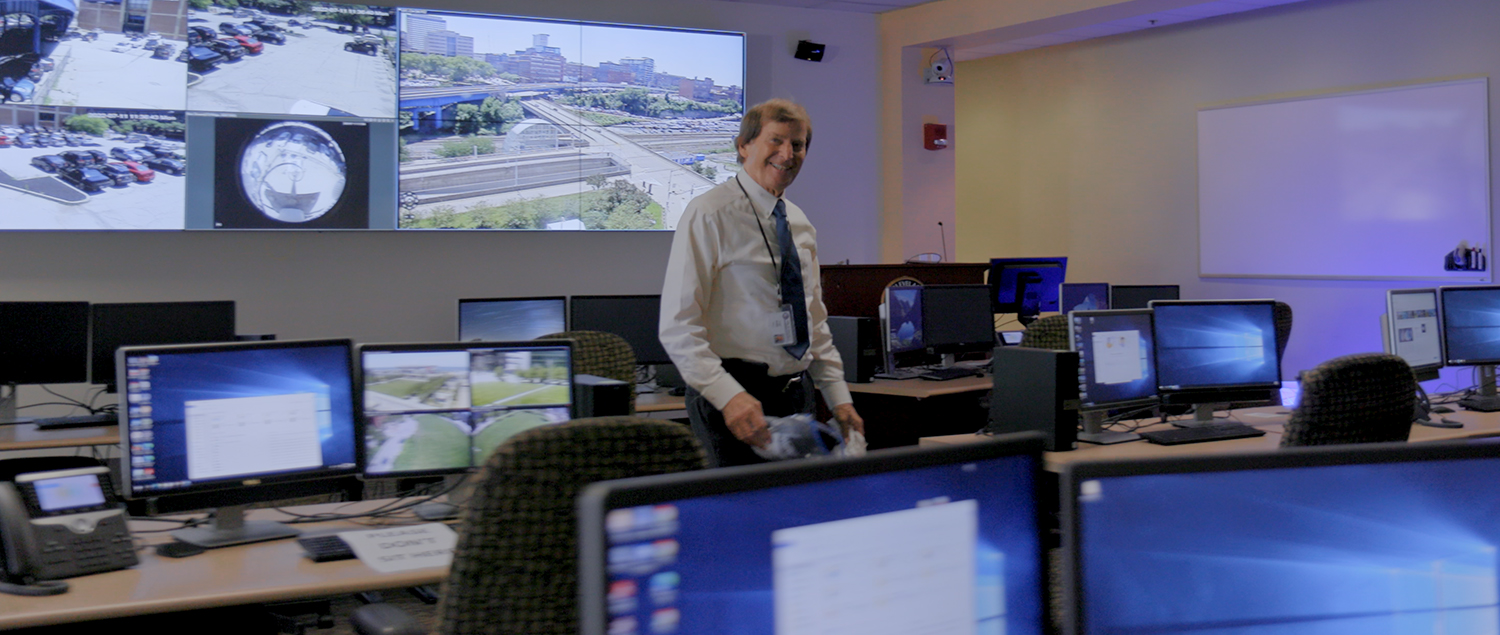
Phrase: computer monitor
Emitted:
{"points": [[637, 318], [905, 343], [511, 319], [153, 323], [1117, 367], [1471, 337], [226, 425], [442, 408], [1366, 539], [1026, 286], [1083, 296], [44, 342], [956, 319], [1139, 296], [914, 540], [1213, 352], [1412, 330]]}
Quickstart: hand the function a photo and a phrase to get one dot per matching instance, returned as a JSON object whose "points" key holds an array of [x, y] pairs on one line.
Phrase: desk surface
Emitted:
{"points": [[658, 402], [25, 436], [1271, 419], [261, 572], [922, 388]]}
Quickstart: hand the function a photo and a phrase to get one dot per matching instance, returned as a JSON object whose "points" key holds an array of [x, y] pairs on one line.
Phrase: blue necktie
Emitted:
{"points": [[791, 280]]}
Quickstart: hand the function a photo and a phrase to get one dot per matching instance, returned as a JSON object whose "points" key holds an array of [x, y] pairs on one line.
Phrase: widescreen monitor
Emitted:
{"points": [[1083, 296], [511, 319], [1396, 538], [1471, 325], [1215, 351], [1412, 330], [956, 319], [44, 342], [437, 409], [225, 425], [1116, 354], [328, 115], [1139, 296], [153, 323], [1026, 286], [637, 318], [913, 540]]}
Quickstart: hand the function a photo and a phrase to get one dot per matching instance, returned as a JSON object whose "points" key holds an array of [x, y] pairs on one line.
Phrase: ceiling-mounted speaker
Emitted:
{"points": [[810, 51]]}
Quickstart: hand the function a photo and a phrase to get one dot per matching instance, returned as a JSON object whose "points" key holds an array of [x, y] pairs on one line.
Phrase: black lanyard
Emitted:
{"points": [[763, 238]]}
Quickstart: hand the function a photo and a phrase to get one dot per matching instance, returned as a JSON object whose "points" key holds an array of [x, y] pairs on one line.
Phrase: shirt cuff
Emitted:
{"points": [[722, 390]]}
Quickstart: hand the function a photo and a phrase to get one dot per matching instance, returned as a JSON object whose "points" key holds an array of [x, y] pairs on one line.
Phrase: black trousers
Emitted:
{"points": [[779, 396]]}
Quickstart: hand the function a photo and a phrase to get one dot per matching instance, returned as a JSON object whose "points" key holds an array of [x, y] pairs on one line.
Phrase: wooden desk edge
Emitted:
{"points": [[105, 435]]}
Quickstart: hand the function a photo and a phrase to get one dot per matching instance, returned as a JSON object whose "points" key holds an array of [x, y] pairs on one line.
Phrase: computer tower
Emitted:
{"points": [[1036, 389], [595, 396], [858, 342]]}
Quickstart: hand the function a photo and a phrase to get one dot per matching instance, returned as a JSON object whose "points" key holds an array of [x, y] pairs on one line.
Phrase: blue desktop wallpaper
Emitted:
{"points": [[724, 564], [1098, 394], [183, 377], [1377, 548], [1471, 324], [904, 311], [1083, 296], [1204, 345]]}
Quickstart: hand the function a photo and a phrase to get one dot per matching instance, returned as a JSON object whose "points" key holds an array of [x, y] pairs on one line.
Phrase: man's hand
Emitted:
{"points": [[848, 419], [747, 421]]}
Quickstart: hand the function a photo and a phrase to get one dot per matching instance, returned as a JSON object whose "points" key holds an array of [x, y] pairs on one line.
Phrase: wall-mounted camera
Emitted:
{"points": [[939, 69]]}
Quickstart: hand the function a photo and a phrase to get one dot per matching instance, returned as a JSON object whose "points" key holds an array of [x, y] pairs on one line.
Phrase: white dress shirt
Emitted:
{"points": [[722, 293]]}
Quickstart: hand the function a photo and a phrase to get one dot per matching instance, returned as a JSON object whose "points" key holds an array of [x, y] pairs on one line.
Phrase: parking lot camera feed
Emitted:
{"points": [[512, 123], [446, 410], [91, 168], [293, 58], [93, 54]]}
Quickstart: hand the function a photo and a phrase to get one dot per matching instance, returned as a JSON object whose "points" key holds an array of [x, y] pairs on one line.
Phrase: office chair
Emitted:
{"points": [[1282, 314], [515, 569], [1050, 332], [1363, 398], [601, 354]]}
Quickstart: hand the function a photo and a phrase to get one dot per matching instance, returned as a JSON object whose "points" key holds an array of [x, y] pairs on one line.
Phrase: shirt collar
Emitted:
{"points": [[760, 200]]}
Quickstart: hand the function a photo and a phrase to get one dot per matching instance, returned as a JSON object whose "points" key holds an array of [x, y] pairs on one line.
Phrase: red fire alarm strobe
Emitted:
{"points": [[934, 136]]}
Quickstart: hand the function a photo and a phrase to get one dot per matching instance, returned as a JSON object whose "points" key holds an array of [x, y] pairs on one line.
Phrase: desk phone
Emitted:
{"points": [[60, 524]]}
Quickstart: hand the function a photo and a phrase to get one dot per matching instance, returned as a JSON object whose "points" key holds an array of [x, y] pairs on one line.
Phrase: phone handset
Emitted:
{"points": [[16, 546]]}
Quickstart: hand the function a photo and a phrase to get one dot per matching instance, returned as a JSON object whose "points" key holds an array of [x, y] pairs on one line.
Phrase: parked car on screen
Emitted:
{"points": [[122, 47], [267, 35], [230, 28], [249, 43], [116, 173], [126, 154], [200, 58], [141, 173], [364, 44], [16, 90], [25, 140], [198, 34], [229, 49], [49, 162], [84, 178], [170, 166], [163, 51], [75, 157], [4, 141], [160, 151]]}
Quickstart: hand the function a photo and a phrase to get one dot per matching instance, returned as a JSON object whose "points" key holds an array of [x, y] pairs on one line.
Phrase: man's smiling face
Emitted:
{"points": [[773, 158]]}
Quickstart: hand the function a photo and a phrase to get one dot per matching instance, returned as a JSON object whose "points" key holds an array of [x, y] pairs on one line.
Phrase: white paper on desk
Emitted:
{"points": [[395, 549]]}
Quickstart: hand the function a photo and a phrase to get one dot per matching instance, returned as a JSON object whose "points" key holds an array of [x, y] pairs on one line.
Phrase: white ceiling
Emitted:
{"points": [[979, 46]]}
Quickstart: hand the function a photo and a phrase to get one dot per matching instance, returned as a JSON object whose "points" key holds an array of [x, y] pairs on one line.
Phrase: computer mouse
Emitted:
{"points": [[1442, 410]]}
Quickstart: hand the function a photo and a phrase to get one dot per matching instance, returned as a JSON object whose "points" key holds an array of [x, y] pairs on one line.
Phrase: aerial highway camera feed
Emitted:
{"points": [[67, 53], [91, 168], [520, 378], [398, 382], [511, 123], [327, 60]]}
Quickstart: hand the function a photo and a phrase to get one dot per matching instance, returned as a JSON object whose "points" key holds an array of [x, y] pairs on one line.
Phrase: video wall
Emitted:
{"points": [[322, 116]]}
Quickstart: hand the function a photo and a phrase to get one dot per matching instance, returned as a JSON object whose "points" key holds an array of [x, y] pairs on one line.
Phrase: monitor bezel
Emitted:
{"points": [[1075, 474], [1390, 335], [1142, 287], [954, 348], [236, 491], [400, 347], [998, 264], [1443, 321], [1259, 391], [1154, 399], [641, 359], [459, 333], [99, 359], [594, 503], [77, 318]]}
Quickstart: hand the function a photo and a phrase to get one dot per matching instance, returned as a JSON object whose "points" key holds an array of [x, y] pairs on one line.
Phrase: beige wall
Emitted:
{"points": [[1089, 149]]}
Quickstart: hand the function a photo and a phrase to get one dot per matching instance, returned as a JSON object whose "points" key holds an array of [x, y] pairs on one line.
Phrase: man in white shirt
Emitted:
{"points": [[746, 336]]}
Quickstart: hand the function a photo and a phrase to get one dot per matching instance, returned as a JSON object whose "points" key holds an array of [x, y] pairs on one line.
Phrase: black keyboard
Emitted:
{"points": [[80, 421], [1218, 432], [945, 374], [325, 548]]}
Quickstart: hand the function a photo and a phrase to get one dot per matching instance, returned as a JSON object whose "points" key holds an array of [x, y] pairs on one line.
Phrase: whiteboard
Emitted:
{"points": [[1377, 184]]}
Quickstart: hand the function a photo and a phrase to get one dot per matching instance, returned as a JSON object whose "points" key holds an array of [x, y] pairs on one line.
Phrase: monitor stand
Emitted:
{"points": [[1203, 416], [460, 490], [8, 398], [1486, 400], [229, 527], [1094, 432]]}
